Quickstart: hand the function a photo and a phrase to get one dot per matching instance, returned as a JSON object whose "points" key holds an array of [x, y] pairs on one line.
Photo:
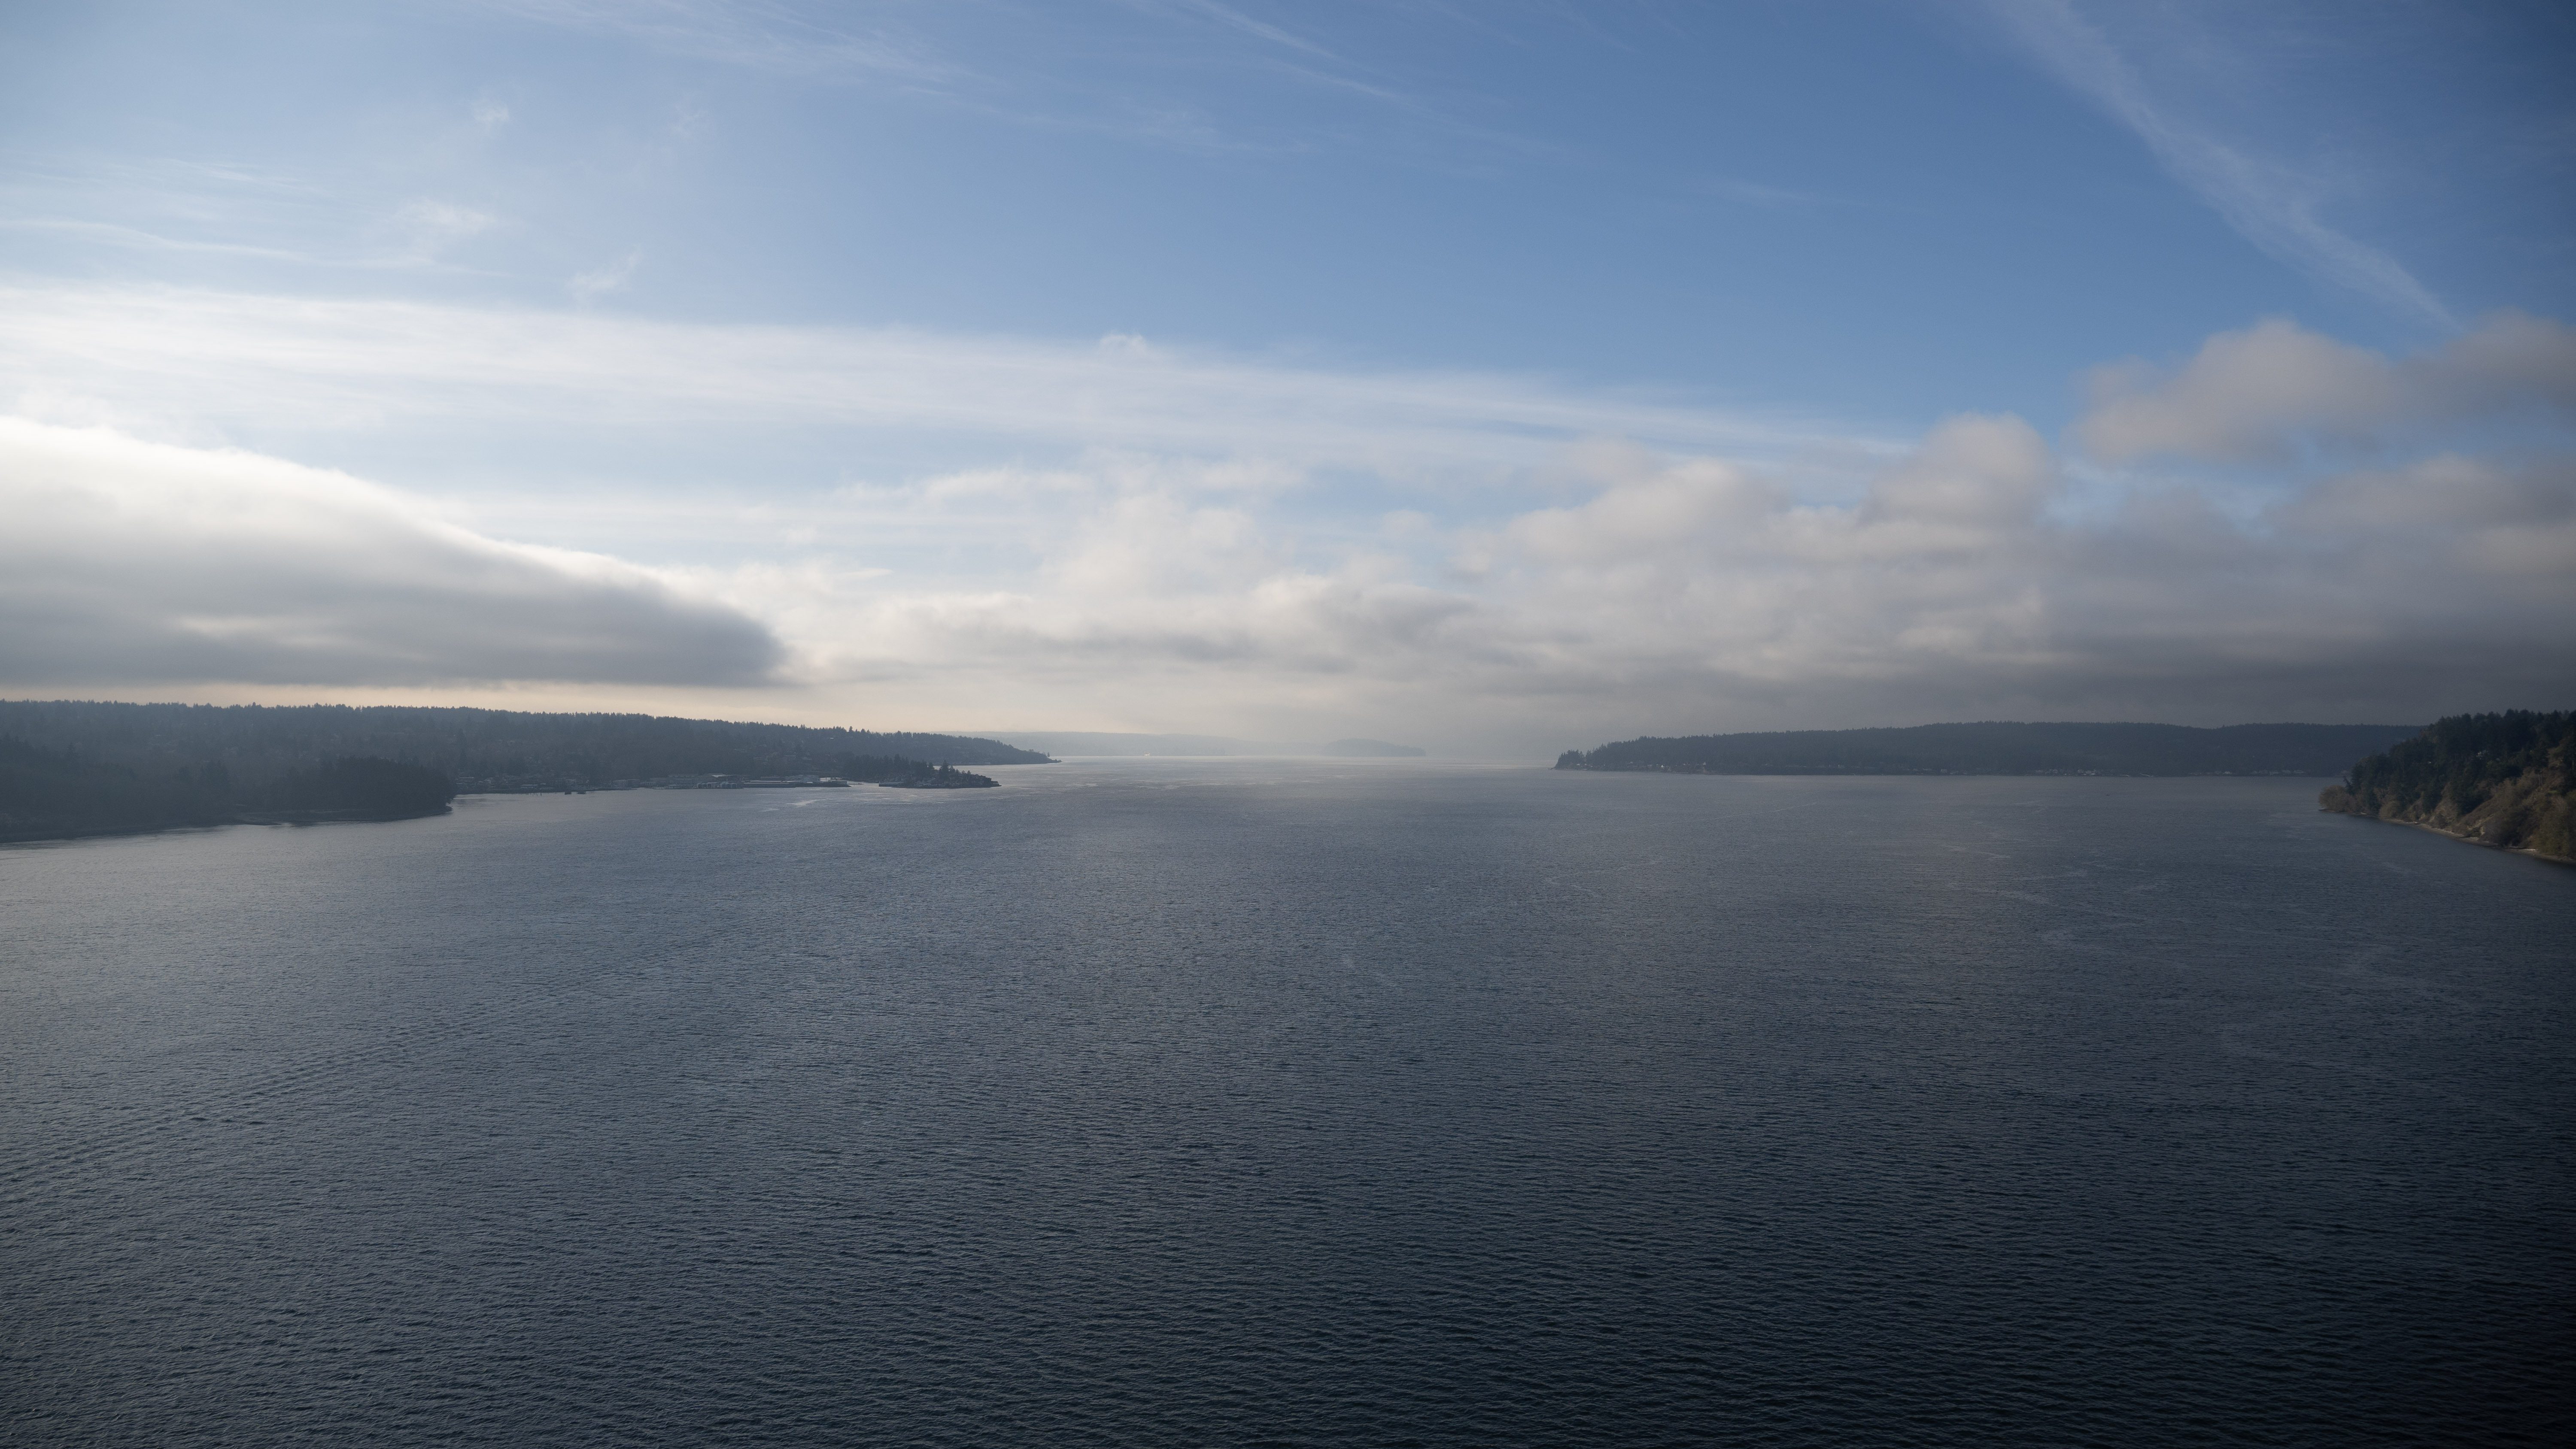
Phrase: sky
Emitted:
{"points": [[1500, 377]]}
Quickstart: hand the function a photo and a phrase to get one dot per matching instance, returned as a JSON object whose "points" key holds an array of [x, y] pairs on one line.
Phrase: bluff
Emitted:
{"points": [[2505, 779], [2005, 748]]}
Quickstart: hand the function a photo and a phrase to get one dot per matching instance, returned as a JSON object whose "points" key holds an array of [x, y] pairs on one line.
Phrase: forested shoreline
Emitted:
{"points": [[2507, 780], [78, 767], [582, 750], [938, 777], [2004, 748], [48, 794]]}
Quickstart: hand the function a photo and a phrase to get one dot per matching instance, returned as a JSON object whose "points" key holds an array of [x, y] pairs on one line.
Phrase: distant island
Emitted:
{"points": [[1999, 748], [2507, 780], [80, 767], [1099, 742], [1130, 746], [1370, 750]]}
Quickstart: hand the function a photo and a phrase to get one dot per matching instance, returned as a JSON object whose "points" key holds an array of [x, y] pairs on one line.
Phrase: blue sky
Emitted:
{"points": [[1498, 374]]}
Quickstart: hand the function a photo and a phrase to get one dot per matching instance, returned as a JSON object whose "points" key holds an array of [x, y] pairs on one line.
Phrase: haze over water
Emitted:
{"points": [[1294, 1102]]}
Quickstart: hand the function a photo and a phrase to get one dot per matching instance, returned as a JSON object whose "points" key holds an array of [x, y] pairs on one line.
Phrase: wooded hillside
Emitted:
{"points": [[2505, 779], [1998, 748]]}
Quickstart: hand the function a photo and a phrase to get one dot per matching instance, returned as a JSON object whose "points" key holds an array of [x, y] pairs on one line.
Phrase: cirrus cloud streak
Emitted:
{"points": [[197, 359]]}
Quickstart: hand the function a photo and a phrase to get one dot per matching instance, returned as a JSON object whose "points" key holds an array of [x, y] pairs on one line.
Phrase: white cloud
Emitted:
{"points": [[1269, 590], [2259, 394], [2503, 507], [1693, 594], [129, 562], [428, 228], [612, 277], [444, 221]]}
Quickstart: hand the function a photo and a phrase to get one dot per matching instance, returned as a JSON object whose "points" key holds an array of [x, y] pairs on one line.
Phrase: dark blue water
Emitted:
{"points": [[1294, 1103]]}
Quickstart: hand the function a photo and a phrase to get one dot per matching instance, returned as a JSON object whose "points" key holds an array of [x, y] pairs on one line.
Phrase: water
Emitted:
{"points": [[1286, 1102]]}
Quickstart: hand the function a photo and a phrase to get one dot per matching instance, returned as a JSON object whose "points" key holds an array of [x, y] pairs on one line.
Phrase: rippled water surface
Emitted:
{"points": [[1294, 1102]]}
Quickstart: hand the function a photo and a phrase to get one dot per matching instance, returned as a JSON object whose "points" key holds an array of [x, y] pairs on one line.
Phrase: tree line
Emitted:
{"points": [[2507, 779], [896, 770], [260, 742], [2004, 748], [50, 793]]}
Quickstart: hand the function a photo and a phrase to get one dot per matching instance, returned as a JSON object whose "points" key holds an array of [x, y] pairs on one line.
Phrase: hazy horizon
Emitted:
{"points": [[1073, 743], [1498, 384]]}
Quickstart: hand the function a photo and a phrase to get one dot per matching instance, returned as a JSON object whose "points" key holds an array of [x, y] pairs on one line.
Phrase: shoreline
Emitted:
{"points": [[2430, 829], [48, 834]]}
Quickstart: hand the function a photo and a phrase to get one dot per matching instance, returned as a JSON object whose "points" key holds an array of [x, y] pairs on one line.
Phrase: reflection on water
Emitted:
{"points": [[1329, 1102]]}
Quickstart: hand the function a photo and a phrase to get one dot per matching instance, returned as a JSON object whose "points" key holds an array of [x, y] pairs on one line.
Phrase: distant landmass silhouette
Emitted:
{"points": [[1106, 742], [84, 767], [1110, 742], [1369, 749], [2004, 748]]}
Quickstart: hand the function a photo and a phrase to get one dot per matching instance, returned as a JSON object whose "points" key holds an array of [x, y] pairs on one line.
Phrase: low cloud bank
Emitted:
{"points": [[2282, 527], [1694, 594], [127, 562], [2259, 395]]}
